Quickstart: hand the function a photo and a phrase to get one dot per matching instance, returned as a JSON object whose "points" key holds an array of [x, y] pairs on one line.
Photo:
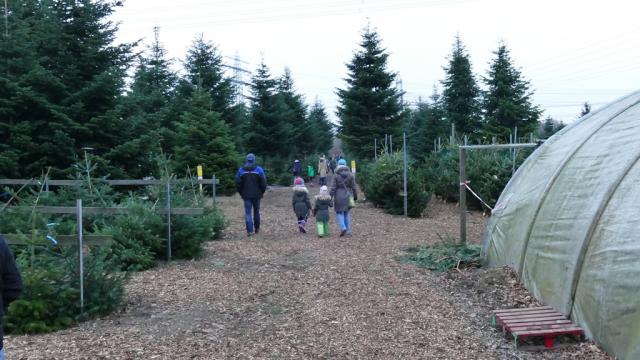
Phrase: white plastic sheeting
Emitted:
{"points": [[568, 224]]}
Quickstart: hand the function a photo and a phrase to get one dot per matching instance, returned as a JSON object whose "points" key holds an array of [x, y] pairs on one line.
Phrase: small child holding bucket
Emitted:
{"points": [[321, 211]]}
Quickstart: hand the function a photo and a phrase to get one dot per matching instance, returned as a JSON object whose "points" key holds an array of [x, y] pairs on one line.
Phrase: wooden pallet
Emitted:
{"points": [[543, 322]]}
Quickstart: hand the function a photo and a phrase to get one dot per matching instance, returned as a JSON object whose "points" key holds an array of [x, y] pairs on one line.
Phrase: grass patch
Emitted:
{"points": [[444, 256]]}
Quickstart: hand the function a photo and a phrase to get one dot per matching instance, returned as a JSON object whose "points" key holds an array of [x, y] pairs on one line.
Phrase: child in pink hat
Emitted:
{"points": [[301, 203]]}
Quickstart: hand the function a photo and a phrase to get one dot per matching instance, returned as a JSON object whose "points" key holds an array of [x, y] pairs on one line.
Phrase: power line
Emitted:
{"points": [[309, 12]]}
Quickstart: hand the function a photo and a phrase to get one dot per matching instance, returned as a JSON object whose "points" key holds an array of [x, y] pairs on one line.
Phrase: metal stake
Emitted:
{"points": [[406, 196], [168, 189], [463, 199], [80, 254], [375, 149]]}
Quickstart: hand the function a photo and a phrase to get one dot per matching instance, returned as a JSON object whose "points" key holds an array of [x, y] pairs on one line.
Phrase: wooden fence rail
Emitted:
{"points": [[133, 182], [62, 240], [100, 210]]}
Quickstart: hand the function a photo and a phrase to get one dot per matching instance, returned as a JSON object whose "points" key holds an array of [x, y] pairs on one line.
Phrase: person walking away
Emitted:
{"points": [[332, 165], [321, 211], [251, 183], [10, 284], [296, 169], [322, 171], [301, 203], [342, 189]]}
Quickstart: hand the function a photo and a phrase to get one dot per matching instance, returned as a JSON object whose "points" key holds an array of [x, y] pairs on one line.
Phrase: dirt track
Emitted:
{"points": [[283, 295]]}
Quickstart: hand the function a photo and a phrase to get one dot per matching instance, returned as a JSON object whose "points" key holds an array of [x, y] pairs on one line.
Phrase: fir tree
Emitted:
{"points": [[240, 122], [295, 114], [369, 106], [203, 66], [322, 128], [507, 100], [460, 96], [62, 77], [549, 127], [203, 138], [426, 124], [267, 133], [148, 109]]}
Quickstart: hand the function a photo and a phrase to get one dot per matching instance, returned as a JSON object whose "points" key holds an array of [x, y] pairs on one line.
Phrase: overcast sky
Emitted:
{"points": [[571, 51]]}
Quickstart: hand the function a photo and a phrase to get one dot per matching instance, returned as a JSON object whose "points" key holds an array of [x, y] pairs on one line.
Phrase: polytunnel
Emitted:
{"points": [[568, 223]]}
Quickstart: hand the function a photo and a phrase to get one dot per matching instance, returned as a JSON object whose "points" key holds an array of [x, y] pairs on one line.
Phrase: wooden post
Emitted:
{"points": [[168, 189], [213, 188], [463, 198], [80, 254], [453, 134]]}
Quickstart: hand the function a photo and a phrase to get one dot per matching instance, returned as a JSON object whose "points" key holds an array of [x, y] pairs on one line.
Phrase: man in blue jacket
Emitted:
{"points": [[251, 183], [10, 284]]}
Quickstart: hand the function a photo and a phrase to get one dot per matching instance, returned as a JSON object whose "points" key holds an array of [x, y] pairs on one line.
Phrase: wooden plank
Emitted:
{"points": [[519, 310], [540, 327], [571, 330], [499, 321], [536, 323], [527, 315], [546, 318], [89, 240], [523, 313], [18, 181]]}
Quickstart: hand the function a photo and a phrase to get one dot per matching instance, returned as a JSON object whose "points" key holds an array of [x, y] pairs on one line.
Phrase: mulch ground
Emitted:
{"points": [[284, 295]]}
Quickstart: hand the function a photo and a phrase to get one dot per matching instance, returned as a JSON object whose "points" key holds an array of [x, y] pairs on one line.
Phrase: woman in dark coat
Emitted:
{"points": [[343, 187]]}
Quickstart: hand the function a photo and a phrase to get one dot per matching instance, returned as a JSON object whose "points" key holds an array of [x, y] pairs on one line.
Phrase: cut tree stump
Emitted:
{"points": [[544, 322]]}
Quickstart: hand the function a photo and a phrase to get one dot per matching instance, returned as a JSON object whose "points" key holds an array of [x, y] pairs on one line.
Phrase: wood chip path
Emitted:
{"points": [[283, 295]]}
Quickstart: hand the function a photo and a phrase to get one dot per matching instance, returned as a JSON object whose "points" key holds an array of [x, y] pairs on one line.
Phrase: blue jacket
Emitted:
{"points": [[296, 168], [10, 281], [251, 181]]}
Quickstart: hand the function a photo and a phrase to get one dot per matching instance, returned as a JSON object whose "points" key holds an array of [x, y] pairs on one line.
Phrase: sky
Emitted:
{"points": [[570, 51]]}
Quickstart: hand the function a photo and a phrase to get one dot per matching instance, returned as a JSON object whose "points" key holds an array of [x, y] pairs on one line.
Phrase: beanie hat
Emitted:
{"points": [[324, 190], [251, 158], [298, 181], [342, 162]]}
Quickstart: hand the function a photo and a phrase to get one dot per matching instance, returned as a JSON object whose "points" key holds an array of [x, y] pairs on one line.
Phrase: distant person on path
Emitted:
{"points": [[301, 203], [296, 169], [323, 169], [344, 187], [10, 284], [332, 165], [252, 183], [321, 211]]}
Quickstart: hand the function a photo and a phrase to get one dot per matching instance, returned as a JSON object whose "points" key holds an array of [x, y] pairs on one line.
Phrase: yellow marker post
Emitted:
{"points": [[199, 169], [353, 166]]}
